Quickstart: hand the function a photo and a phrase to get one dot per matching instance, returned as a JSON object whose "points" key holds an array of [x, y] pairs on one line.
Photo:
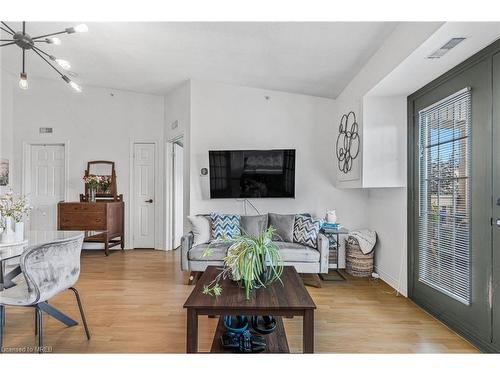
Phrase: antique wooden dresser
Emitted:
{"points": [[105, 217], [100, 209]]}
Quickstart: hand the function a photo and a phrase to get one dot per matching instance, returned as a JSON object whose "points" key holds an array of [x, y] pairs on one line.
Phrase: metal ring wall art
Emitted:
{"points": [[347, 147]]}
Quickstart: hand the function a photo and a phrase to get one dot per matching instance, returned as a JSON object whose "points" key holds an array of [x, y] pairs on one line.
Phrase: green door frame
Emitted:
{"points": [[486, 53]]}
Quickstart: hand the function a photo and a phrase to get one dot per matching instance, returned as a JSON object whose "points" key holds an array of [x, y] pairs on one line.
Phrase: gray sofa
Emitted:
{"points": [[305, 259]]}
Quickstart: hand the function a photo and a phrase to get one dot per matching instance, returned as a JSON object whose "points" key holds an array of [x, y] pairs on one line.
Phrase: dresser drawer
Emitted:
{"points": [[82, 207], [82, 221]]}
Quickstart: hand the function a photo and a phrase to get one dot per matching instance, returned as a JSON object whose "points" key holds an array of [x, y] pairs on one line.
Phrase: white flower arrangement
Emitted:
{"points": [[15, 206]]}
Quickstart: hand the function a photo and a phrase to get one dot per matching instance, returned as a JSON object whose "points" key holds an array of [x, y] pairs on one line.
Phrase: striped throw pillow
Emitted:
{"points": [[306, 231], [225, 226]]}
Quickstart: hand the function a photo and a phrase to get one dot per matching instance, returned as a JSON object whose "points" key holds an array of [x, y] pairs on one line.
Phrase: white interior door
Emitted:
{"points": [[144, 195], [178, 194], [46, 181]]}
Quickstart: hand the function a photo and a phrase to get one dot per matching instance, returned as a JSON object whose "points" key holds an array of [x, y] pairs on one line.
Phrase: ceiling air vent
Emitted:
{"points": [[452, 43], [46, 130]]}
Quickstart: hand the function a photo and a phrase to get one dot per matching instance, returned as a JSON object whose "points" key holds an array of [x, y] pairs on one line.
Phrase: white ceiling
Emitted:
{"points": [[307, 58], [423, 70]]}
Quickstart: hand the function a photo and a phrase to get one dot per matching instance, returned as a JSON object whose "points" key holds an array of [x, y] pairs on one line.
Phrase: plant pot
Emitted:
{"points": [[19, 230], [8, 235], [264, 276]]}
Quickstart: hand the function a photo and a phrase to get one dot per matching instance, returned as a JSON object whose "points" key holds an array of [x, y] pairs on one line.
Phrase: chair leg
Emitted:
{"points": [[39, 324], [80, 307], [2, 312]]}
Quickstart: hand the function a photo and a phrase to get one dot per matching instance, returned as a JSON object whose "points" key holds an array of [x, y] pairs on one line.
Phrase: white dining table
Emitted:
{"points": [[10, 254], [34, 238]]}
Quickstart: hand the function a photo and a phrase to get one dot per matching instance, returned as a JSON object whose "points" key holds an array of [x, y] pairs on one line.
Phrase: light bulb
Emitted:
{"points": [[63, 64], [75, 86], [53, 40], [81, 28], [23, 81]]}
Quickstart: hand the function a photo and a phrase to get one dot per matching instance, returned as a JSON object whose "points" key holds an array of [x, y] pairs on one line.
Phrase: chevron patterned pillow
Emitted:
{"points": [[225, 226], [306, 230]]}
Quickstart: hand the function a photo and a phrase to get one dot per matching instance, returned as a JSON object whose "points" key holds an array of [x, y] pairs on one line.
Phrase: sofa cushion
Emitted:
{"points": [[225, 226], [290, 252], [294, 252], [201, 228], [306, 230], [253, 225], [216, 251], [283, 224]]}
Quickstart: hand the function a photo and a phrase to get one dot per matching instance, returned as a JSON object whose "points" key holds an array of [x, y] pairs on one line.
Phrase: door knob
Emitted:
{"points": [[149, 201]]}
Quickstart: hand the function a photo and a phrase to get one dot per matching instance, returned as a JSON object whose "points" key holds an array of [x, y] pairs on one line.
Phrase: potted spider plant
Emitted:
{"points": [[252, 261]]}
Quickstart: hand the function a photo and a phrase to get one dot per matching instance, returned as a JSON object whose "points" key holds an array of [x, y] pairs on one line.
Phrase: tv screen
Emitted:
{"points": [[252, 174]]}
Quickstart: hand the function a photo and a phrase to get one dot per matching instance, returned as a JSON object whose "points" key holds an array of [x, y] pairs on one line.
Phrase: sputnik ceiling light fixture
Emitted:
{"points": [[27, 42]]}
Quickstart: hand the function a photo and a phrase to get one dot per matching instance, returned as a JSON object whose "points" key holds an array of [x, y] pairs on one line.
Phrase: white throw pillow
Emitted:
{"points": [[201, 229]]}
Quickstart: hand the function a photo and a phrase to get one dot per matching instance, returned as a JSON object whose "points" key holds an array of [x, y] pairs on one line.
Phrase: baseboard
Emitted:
{"points": [[394, 283]]}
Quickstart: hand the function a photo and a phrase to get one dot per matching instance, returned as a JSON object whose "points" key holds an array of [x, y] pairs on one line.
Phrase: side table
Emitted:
{"points": [[333, 236]]}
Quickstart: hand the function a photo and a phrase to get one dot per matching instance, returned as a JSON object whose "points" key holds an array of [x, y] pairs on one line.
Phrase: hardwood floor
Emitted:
{"points": [[133, 301]]}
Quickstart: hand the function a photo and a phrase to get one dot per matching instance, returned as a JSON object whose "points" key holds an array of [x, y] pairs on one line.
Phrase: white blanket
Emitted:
{"points": [[366, 238]]}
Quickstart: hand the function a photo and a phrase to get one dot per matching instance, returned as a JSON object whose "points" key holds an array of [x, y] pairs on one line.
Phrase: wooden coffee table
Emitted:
{"points": [[288, 299]]}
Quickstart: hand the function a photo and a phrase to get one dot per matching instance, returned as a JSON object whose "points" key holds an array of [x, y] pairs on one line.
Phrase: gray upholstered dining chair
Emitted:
{"points": [[47, 270]]}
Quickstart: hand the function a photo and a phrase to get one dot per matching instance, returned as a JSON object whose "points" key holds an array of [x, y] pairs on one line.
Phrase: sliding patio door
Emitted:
{"points": [[450, 200]]}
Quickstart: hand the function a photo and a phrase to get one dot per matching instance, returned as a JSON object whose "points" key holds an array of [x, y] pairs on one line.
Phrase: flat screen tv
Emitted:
{"points": [[252, 174]]}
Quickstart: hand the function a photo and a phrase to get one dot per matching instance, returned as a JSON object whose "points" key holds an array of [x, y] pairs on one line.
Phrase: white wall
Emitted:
{"points": [[384, 144], [384, 166], [234, 117], [387, 216], [99, 124], [7, 85], [178, 123], [178, 182]]}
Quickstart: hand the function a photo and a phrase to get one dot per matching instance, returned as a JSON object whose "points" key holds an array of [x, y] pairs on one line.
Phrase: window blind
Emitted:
{"points": [[445, 195]]}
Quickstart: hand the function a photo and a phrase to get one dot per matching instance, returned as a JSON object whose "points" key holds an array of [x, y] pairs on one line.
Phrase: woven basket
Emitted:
{"points": [[357, 263]]}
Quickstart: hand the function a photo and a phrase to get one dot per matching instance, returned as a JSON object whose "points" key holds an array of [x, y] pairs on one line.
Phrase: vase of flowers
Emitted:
{"points": [[252, 261], [93, 183], [13, 208]]}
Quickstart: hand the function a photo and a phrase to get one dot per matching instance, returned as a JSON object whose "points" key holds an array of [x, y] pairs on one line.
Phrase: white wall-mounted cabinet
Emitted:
{"points": [[384, 142]]}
